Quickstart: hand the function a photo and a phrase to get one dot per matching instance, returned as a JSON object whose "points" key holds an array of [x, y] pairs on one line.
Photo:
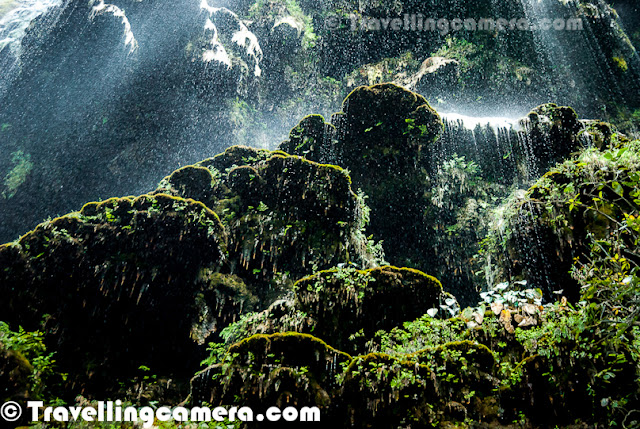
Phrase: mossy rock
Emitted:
{"points": [[562, 116], [377, 122], [282, 214], [121, 283], [191, 181], [311, 138], [463, 369], [221, 300], [17, 378], [308, 189], [385, 116], [289, 215], [600, 133], [246, 182], [347, 301], [384, 391], [285, 369], [380, 137], [553, 134], [390, 102], [287, 349], [236, 156], [553, 226]]}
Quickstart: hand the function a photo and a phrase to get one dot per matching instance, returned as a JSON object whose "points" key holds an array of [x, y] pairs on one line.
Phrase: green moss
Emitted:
{"points": [[192, 181], [621, 64], [385, 107], [460, 50], [286, 347], [308, 138], [235, 156], [364, 301], [600, 133], [378, 387], [22, 167]]}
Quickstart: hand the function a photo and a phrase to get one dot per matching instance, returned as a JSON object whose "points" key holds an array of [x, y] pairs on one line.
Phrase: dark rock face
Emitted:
{"points": [[117, 279], [283, 214], [340, 304], [136, 272], [16, 379], [380, 137], [292, 370]]}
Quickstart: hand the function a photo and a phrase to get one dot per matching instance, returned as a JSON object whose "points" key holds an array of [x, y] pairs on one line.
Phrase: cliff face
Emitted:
{"points": [[255, 276], [98, 98]]}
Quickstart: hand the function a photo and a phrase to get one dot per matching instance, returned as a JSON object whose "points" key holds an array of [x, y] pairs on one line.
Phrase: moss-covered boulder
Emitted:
{"points": [[116, 281], [311, 138], [341, 303], [380, 137], [384, 391], [552, 134], [285, 216], [285, 369], [463, 369], [16, 380]]}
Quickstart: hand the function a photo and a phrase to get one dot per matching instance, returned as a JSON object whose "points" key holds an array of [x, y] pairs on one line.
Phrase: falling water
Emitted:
{"points": [[500, 146], [15, 18]]}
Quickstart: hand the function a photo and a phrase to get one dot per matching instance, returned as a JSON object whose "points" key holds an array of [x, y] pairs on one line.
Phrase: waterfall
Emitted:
{"points": [[15, 20], [571, 37], [500, 146]]}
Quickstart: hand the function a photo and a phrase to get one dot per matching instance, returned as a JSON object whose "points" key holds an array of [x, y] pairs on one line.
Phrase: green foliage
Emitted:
{"points": [[425, 332], [217, 352], [372, 252], [31, 346], [459, 49], [621, 64], [18, 175]]}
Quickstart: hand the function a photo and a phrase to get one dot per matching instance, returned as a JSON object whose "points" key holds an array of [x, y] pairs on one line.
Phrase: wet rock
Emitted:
{"points": [[436, 74], [118, 279], [15, 376], [385, 391], [284, 215], [380, 137], [552, 132], [340, 303], [311, 138], [281, 370]]}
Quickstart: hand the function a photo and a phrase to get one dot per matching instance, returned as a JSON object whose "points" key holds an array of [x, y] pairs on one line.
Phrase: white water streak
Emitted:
{"points": [[103, 8], [15, 21], [242, 37]]}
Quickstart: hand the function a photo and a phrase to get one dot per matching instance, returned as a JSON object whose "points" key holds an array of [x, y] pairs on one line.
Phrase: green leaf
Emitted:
{"points": [[618, 189]]}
